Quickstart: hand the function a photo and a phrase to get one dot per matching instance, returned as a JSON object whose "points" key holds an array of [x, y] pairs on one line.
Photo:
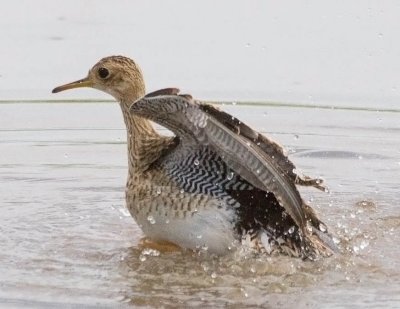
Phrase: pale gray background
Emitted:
{"points": [[317, 52]]}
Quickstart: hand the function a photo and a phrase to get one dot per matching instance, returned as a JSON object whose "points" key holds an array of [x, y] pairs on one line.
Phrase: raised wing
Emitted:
{"points": [[271, 148], [274, 150], [194, 124]]}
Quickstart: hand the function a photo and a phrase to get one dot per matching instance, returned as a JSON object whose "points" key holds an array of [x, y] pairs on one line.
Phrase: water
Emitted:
{"points": [[66, 237], [324, 52]]}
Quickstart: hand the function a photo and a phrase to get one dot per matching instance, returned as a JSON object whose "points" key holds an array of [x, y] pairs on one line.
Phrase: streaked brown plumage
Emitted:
{"points": [[216, 182]]}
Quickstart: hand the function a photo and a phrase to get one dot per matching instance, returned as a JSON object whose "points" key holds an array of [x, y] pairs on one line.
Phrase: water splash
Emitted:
{"points": [[151, 219]]}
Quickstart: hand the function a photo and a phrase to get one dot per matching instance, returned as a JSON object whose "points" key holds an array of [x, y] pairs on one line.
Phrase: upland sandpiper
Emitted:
{"points": [[217, 184]]}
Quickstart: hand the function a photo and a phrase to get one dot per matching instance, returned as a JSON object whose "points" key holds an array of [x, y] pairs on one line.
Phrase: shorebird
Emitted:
{"points": [[216, 184]]}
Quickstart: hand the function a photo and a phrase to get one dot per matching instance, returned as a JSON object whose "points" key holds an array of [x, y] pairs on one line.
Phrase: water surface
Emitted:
{"points": [[66, 237]]}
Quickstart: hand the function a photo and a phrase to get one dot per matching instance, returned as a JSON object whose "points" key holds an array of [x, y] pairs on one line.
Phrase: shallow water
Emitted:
{"points": [[66, 238]]}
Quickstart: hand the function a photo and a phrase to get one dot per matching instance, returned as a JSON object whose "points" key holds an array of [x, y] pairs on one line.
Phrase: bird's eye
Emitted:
{"points": [[103, 73]]}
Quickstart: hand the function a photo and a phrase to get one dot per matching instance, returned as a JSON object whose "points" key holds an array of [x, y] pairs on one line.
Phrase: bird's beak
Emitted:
{"points": [[85, 82]]}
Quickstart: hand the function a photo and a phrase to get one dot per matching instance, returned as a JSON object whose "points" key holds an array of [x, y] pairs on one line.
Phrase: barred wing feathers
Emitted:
{"points": [[196, 124]]}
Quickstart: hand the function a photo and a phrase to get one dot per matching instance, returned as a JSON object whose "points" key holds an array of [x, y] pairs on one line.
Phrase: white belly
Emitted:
{"points": [[211, 229]]}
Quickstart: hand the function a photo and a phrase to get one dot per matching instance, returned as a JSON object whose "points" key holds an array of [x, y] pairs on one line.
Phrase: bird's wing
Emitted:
{"points": [[271, 148], [191, 122]]}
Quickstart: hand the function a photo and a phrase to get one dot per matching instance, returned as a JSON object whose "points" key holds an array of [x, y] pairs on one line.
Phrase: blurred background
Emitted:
{"points": [[316, 52]]}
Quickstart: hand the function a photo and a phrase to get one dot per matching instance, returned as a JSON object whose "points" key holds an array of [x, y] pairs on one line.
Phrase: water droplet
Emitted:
{"points": [[233, 103], [230, 176], [151, 219], [124, 212], [296, 136], [66, 155], [205, 267], [322, 227], [360, 157], [213, 275], [196, 162], [199, 236], [291, 230], [364, 244], [258, 171], [158, 191], [142, 258], [150, 252], [166, 221], [182, 191], [248, 45]]}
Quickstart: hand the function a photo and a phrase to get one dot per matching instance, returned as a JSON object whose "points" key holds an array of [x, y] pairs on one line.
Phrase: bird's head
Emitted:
{"points": [[118, 76]]}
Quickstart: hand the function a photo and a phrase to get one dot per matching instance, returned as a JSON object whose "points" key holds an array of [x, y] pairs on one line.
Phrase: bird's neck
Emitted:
{"points": [[140, 133]]}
